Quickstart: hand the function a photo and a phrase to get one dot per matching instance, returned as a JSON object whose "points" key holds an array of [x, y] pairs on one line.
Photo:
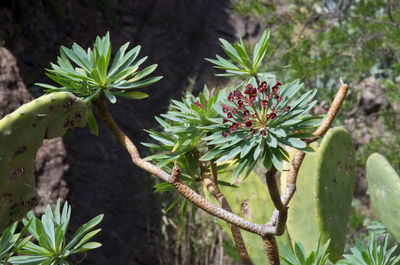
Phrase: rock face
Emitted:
{"points": [[13, 92], [176, 35], [50, 162], [372, 95]]}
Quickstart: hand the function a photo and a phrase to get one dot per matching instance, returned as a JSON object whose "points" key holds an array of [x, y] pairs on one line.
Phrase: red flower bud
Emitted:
{"points": [[248, 123], [278, 98], [225, 134], [263, 132], [264, 84], [229, 115], [198, 104], [238, 94], [247, 113], [264, 103], [241, 104], [287, 108], [225, 108], [224, 120], [230, 97], [272, 115], [233, 127], [248, 89]]}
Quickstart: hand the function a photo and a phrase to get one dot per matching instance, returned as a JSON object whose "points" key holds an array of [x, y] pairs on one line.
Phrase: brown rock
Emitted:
{"points": [[13, 92]]}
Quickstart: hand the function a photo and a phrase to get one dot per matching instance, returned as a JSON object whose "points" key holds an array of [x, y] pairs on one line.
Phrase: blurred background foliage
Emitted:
{"points": [[322, 41]]}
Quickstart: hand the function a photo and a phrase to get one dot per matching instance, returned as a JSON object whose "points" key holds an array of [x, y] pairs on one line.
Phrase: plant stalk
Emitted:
{"points": [[211, 183]]}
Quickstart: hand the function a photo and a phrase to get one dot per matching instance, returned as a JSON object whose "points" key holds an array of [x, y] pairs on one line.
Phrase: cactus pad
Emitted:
{"points": [[251, 201], [384, 189], [21, 134], [302, 224], [325, 187]]}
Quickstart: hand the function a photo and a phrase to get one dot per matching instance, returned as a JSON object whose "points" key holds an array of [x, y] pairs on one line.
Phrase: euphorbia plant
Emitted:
{"points": [[250, 123]]}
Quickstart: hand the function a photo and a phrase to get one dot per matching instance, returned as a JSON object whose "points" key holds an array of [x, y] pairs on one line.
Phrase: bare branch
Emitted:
{"points": [[273, 189], [271, 248]]}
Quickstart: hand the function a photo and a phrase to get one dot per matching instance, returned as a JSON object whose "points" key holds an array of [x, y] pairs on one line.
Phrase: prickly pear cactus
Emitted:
{"points": [[251, 201], [325, 187], [384, 189], [21, 134]]}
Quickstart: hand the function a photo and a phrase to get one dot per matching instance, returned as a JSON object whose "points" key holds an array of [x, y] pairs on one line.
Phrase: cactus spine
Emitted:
{"points": [[325, 187], [384, 189], [21, 134]]}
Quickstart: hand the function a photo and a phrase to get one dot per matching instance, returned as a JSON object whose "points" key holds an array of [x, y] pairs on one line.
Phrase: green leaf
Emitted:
{"points": [[257, 151], [118, 57], [143, 73], [231, 52], [293, 142], [267, 158], [102, 67], [97, 76], [230, 155], [241, 50], [173, 204], [28, 260], [92, 122], [79, 61], [131, 94], [86, 247], [123, 62], [110, 96], [213, 153], [246, 148], [46, 86], [278, 132], [276, 159], [86, 238], [271, 141], [222, 63], [260, 49], [239, 169], [83, 229], [142, 83]]}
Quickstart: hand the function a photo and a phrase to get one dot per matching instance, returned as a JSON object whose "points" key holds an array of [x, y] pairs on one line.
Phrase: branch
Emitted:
{"points": [[299, 155], [271, 248], [334, 108], [211, 183], [273, 189]]}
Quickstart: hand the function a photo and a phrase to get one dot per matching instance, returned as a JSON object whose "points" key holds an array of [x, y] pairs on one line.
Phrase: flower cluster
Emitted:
{"points": [[254, 108]]}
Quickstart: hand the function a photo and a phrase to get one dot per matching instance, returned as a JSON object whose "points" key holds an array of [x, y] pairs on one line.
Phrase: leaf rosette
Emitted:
{"points": [[259, 121], [50, 232], [261, 115], [88, 74], [181, 138]]}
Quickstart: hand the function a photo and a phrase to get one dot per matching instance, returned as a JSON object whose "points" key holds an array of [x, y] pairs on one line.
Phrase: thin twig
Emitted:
{"points": [[211, 183], [273, 189], [299, 155], [271, 248]]}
